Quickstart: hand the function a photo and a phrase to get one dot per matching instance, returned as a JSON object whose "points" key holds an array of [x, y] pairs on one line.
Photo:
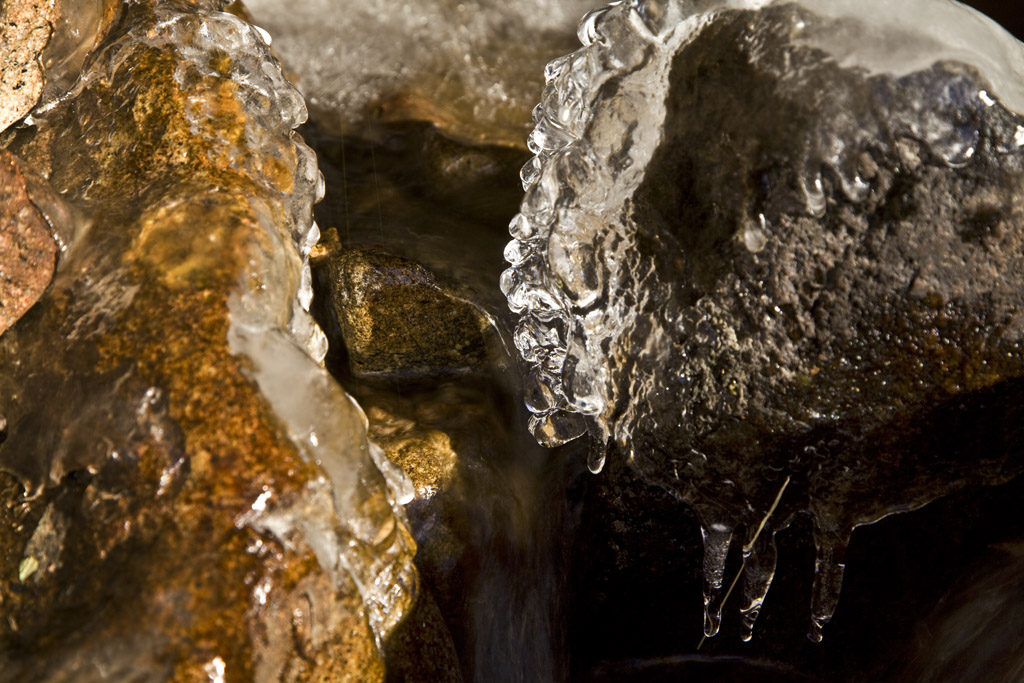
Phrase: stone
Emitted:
{"points": [[424, 454], [421, 649], [25, 28], [776, 267], [186, 493], [28, 252], [396, 318]]}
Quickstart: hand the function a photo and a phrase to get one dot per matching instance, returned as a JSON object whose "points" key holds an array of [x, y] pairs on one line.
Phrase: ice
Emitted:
{"points": [[351, 519], [470, 67], [740, 219], [717, 538], [758, 572], [829, 566]]}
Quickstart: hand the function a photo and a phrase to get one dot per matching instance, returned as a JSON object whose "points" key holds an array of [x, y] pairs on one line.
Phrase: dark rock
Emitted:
{"points": [[421, 648], [774, 280]]}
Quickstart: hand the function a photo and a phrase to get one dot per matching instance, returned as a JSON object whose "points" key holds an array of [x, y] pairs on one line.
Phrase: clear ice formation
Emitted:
{"points": [[771, 251], [469, 67]]}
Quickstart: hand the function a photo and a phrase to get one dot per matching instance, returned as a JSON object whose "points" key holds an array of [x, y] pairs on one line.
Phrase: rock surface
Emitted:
{"points": [[28, 252], [174, 454], [776, 269], [396, 318], [25, 28]]}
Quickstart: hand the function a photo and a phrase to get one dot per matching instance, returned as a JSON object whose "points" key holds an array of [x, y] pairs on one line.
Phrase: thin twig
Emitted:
{"points": [[748, 547]]}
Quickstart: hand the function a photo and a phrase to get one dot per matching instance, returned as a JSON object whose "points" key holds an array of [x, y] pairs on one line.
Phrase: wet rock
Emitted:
{"points": [[472, 69], [396, 318], [423, 196], [25, 28], [774, 267], [421, 649], [424, 454], [28, 252], [175, 455]]}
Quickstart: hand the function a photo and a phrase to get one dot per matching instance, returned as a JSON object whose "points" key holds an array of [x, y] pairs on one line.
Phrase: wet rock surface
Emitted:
{"points": [[25, 28], [152, 469], [396, 318], [775, 281], [26, 242], [172, 451]]}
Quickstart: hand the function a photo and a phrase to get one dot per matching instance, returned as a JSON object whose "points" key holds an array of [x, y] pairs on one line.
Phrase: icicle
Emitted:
{"points": [[717, 539], [758, 572], [828, 579]]}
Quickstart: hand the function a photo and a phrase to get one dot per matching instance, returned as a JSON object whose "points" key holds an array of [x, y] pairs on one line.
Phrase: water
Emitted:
{"points": [[492, 526]]}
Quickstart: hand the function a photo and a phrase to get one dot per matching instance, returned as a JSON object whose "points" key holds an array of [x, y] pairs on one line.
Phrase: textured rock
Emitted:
{"points": [[396, 318], [776, 268], [28, 252], [421, 649], [25, 28], [187, 495]]}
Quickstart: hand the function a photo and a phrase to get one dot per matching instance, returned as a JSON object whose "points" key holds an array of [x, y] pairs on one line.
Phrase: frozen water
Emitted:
{"points": [[473, 68], [736, 213], [352, 520]]}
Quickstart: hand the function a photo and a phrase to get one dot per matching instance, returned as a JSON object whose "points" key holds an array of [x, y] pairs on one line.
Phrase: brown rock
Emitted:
{"points": [[161, 516], [28, 253], [397, 319]]}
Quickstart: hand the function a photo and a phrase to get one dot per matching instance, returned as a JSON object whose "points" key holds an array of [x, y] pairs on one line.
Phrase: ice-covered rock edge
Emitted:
{"points": [[351, 517], [564, 258], [555, 279]]}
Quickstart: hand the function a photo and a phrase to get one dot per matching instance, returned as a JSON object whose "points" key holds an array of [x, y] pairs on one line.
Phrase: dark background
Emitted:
{"points": [[1009, 13]]}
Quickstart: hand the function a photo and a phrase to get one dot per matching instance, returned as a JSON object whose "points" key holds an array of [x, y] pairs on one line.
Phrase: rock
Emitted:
{"points": [[25, 28], [423, 196], [28, 252], [421, 649], [776, 267], [424, 454], [397, 319], [186, 493]]}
